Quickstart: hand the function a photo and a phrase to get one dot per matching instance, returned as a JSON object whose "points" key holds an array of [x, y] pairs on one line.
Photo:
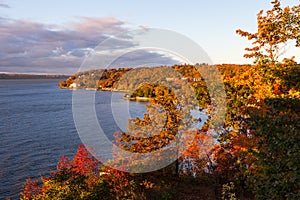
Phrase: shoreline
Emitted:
{"points": [[141, 99]]}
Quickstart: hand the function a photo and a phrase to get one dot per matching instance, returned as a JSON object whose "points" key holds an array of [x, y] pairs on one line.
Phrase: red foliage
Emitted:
{"points": [[64, 163], [84, 162], [118, 181], [31, 188]]}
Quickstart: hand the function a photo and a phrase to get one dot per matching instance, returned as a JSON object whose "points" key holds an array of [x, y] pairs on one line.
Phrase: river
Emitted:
{"points": [[37, 128]]}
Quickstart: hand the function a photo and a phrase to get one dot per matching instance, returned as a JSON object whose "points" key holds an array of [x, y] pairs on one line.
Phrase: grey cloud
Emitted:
{"points": [[33, 47], [38, 48], [3, 5], [144, 58]]}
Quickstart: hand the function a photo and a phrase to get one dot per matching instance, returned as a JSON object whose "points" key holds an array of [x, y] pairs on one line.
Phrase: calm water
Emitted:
{"points": [[37, 128]]}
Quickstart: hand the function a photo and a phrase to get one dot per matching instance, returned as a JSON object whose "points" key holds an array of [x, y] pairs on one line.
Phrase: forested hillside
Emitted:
{"points": [[253, 154], [256, 153]]}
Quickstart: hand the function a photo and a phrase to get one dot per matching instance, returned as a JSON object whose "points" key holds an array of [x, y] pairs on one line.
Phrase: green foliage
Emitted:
{"points": [[259, 144], [146, 90], [276, 169], [272, 120]]}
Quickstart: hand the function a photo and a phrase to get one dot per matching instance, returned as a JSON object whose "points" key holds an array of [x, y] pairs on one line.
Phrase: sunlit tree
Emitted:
{"points": [[275, 28]]}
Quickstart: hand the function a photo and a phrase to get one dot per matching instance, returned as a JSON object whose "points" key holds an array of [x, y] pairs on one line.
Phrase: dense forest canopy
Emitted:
{"points": [[257, 144], [253, 154]]}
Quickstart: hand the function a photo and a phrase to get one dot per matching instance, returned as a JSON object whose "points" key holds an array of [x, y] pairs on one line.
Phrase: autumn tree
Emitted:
{"points": [[275, 125], [274, 29], [74, 179], [156, 130], [257, 145], [195, 156]]}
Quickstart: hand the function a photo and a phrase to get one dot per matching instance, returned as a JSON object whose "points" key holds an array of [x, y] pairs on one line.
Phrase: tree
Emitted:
{"points": [[275, 173], [84, 163], [158, 128], [74, 179], [196, 154], [274, 29]]}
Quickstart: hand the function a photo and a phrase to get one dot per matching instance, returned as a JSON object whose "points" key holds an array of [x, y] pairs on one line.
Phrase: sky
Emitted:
{"points": [[55, 37]]}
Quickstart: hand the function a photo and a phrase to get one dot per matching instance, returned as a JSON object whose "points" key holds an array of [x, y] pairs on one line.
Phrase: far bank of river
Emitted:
{"points": [[126, 95]]}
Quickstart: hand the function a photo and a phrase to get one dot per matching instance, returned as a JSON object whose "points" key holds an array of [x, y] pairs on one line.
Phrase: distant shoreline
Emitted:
{"points": [[137, 98], [32, 76]]}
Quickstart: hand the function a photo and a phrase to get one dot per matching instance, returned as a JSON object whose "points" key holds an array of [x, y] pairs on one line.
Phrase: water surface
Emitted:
{"points": [[37, 128]]}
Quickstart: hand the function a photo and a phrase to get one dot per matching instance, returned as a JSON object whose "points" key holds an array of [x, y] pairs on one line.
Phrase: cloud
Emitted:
{"points": [[2, 5], [34, 47], [30, 47]]}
